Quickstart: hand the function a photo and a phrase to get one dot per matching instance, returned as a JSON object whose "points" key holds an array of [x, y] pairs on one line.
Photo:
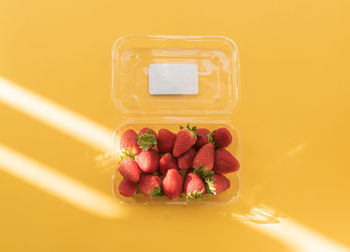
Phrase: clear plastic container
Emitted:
{"points": [[212, 106]]}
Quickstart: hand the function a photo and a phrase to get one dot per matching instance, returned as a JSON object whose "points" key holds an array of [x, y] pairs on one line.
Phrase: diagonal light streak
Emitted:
{"points": [[55, 115], [293, 234], [57, 184]]}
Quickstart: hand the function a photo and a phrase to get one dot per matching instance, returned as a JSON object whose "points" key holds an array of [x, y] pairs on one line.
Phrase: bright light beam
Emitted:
{"points": [[57, 184], [295, 235], [55, 115]]}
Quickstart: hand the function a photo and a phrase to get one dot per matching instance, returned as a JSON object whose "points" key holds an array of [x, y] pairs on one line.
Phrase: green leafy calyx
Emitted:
{"points": [[147, 140], [209, 185], [193, 129], [157, 192], [126, 154], [182, 172], [202, 172], [211, 139], [195, 195]]}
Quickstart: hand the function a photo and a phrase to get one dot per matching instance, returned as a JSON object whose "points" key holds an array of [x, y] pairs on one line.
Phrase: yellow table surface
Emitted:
{"points": [[294, 121]]}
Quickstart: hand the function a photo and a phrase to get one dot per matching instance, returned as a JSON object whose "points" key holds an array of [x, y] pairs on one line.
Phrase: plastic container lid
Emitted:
{"points": [[215, 58]]}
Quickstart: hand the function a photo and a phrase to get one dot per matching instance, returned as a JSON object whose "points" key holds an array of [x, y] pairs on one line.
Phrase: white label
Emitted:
{"points": [[173, 79]]}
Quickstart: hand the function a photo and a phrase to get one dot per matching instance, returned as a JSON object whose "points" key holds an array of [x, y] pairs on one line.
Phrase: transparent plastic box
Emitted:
{"points": [[217, 62]]}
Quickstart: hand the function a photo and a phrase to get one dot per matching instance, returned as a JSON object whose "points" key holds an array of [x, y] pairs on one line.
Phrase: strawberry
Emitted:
{"points": [[225, 162], [194, 186], [185, 139], [217, 184], [147, 138], [185, 160], [127, 188], [222, 138], [129, 169], [150, 186], [148, 161], [128, 143], [203, 162], [166, 140], [172, 184], [202, 137], [167, 162]]}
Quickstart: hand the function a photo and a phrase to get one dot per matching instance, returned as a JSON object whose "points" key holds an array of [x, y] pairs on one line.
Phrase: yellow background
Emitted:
{"points": [[293, 119]]}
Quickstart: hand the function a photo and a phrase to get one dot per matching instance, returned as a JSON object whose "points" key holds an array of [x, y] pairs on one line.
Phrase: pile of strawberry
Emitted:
{"points": [[188, 164]]}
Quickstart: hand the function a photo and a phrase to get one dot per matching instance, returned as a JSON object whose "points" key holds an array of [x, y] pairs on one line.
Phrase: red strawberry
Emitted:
{"points": [[225, 162], [202, 137], [150, 185], [222, 138], [172, 184], [128, 142], [185, 139], [185, 160], [167, 162], [194, 186], [129, 169], [127, 188], [203, 162], [147, 138], [166, 140], [148, 161], [217, 184]]}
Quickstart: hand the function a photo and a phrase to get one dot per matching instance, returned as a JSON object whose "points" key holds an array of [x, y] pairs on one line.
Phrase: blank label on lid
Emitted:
{"points": [[173, 79]]}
